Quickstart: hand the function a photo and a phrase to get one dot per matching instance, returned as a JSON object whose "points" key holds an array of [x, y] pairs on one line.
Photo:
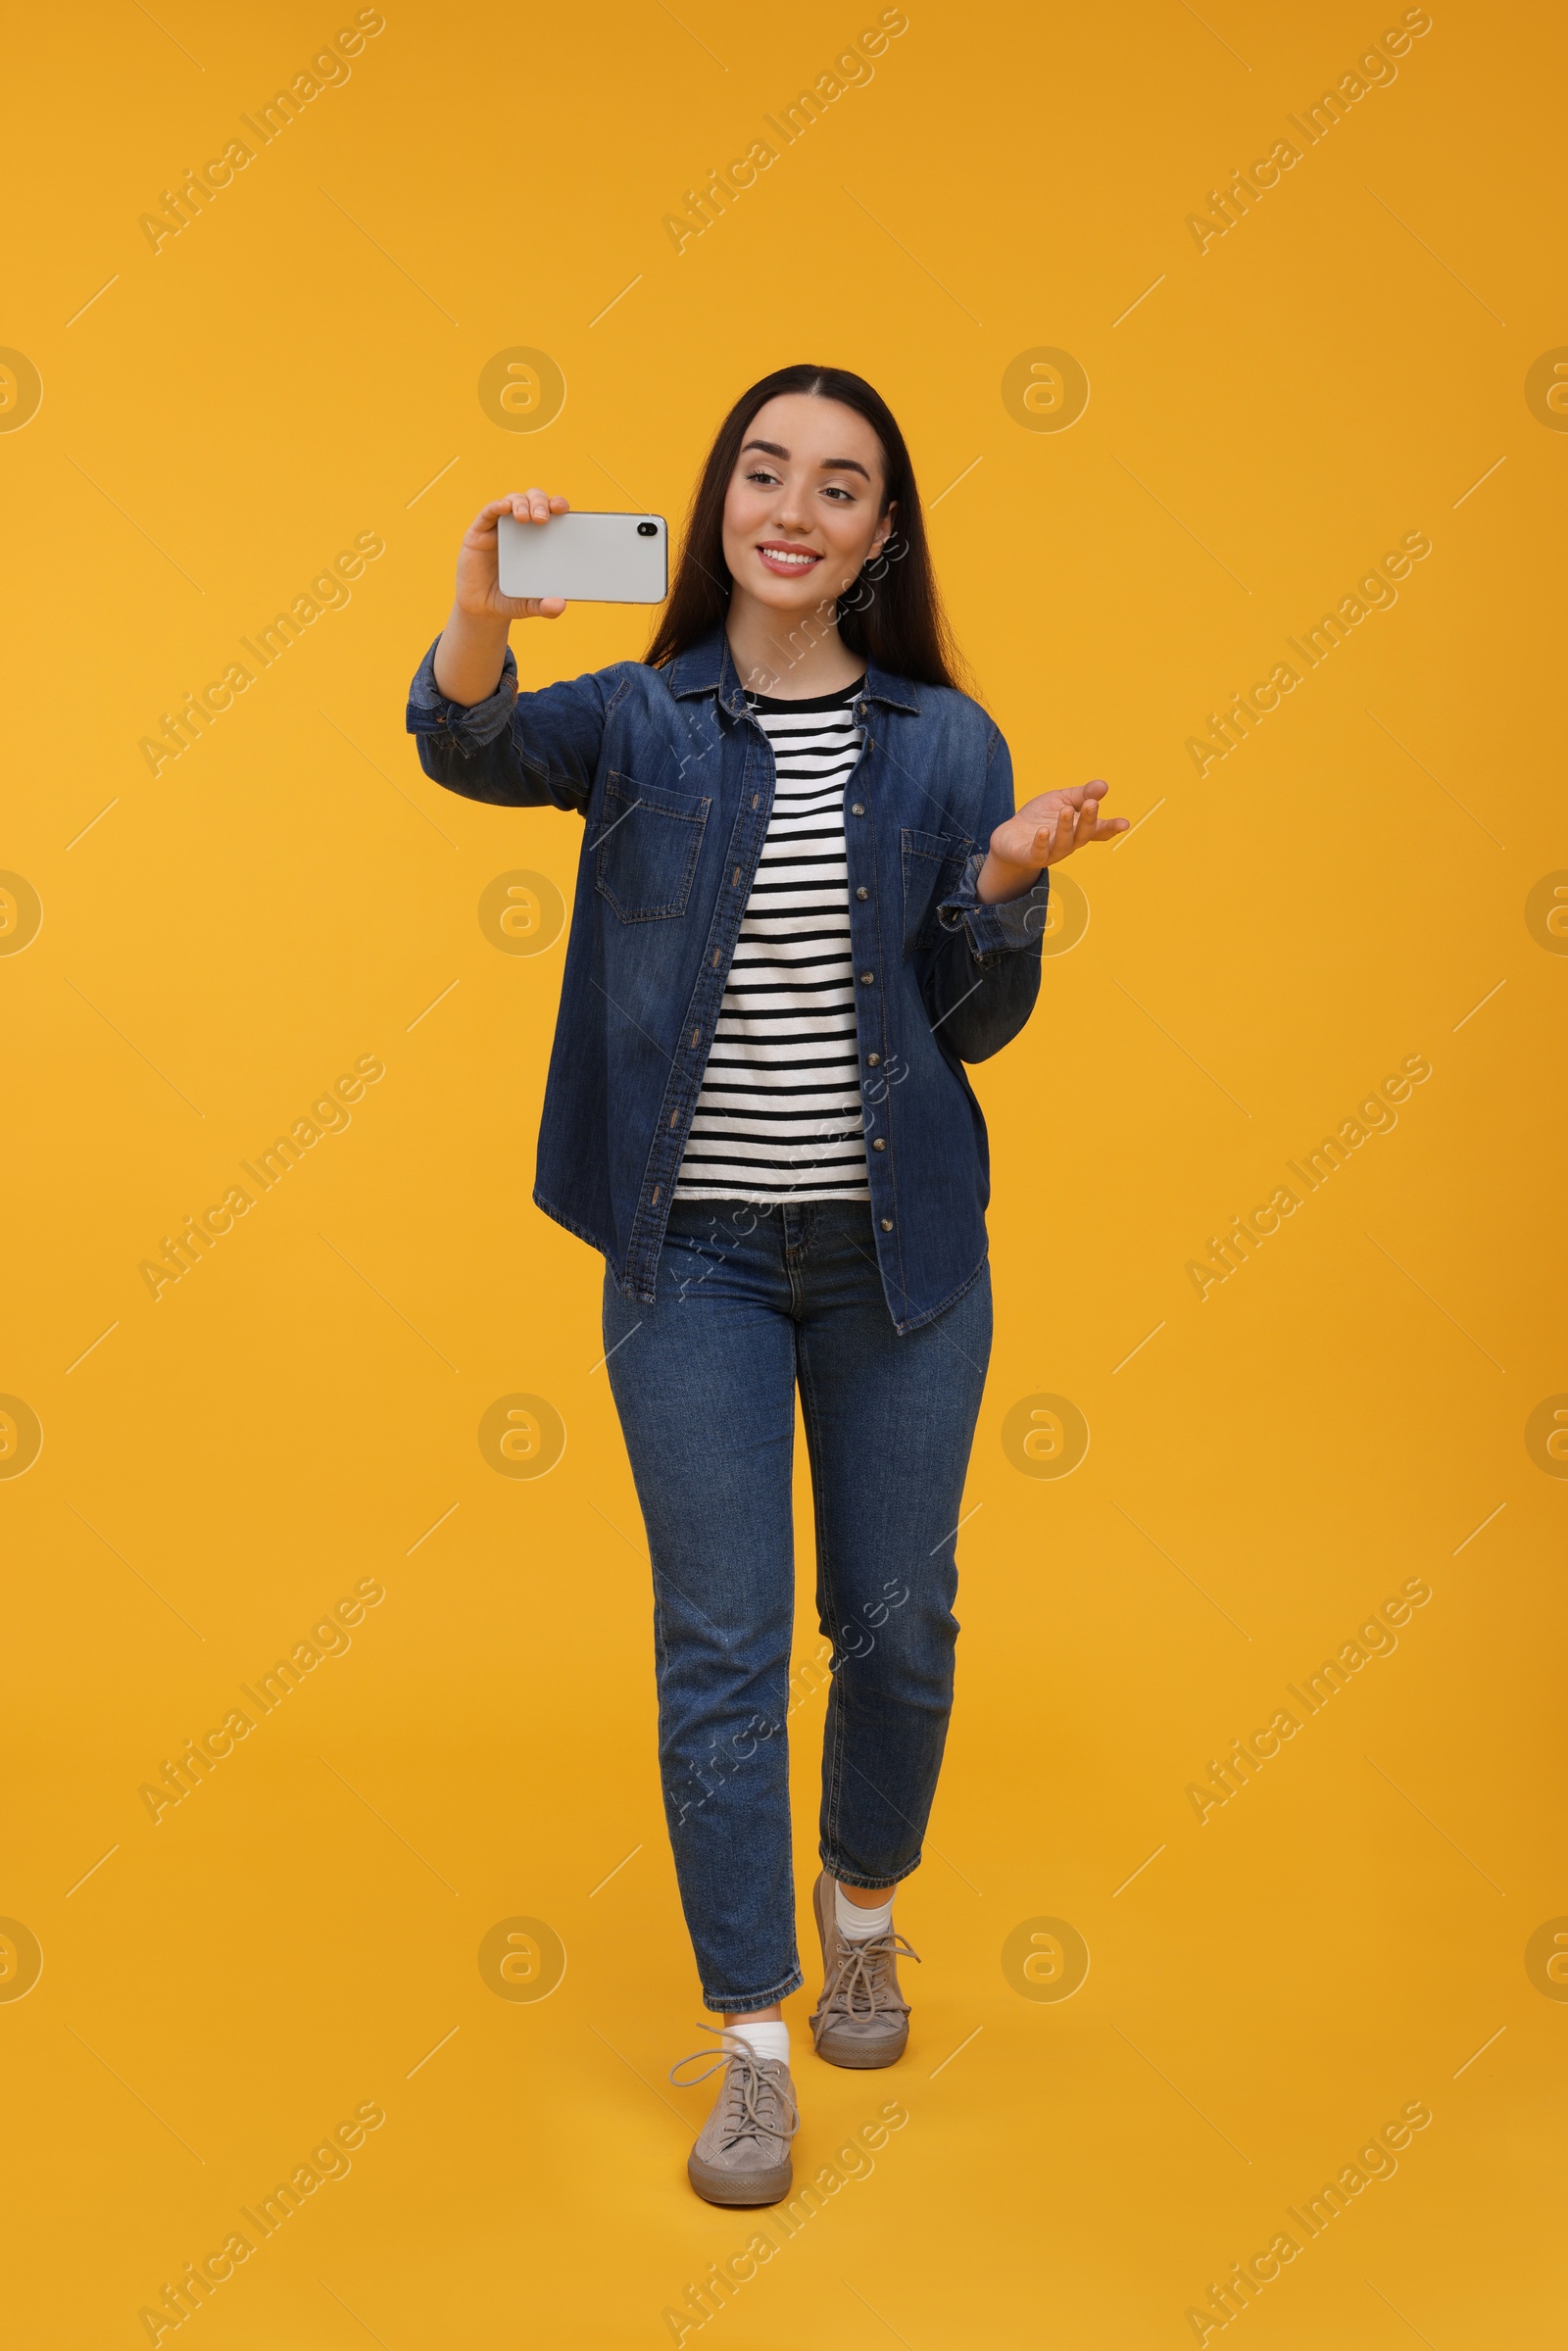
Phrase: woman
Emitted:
{"points": [[804, 902]]}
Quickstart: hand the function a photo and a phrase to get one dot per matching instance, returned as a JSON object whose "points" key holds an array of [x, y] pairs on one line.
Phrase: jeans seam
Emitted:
{"points": [[833, 1774], [794, 1271]]}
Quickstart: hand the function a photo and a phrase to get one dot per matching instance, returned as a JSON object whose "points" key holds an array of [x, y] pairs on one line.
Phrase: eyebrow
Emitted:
{"points": [[829, 465]]}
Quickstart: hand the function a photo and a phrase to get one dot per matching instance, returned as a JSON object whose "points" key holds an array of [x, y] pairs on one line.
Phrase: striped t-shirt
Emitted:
{"points": [[779, 1117]]}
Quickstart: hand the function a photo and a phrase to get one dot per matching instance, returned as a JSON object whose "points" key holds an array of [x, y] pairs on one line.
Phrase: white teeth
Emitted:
{"points": [[776, 555]]}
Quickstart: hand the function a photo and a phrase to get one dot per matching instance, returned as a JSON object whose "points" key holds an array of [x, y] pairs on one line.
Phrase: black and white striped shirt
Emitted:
{"points": [[779, 1114]]}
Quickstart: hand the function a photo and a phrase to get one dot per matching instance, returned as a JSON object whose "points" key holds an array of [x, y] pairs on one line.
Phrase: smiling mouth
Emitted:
{"points": [[788, 560]]}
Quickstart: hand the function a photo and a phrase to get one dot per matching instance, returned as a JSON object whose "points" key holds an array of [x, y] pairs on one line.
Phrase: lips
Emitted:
{"points": [[788, 562]]}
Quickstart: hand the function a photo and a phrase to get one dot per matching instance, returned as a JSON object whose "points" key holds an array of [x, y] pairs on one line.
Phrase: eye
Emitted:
{"points": [[836, 489], [762, 473]]}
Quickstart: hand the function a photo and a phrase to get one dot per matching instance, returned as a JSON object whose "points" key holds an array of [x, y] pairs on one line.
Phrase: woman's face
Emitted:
{"points": [[804, 509]]}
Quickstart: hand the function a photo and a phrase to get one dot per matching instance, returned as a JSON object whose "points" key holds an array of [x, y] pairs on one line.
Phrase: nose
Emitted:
{"points": [[791, 512]]}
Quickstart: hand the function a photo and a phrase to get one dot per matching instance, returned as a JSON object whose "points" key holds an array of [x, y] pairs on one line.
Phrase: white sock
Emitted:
{"points": [[855, 1921], [766, 2041]]}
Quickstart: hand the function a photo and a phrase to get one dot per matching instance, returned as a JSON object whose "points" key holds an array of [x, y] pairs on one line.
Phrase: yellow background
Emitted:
{"points": [[294, 368]]}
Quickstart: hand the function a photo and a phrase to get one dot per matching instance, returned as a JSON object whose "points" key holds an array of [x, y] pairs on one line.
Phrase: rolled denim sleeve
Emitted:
{"points": [[471, 724], [985, 975], [994, 930], [514, 750]]}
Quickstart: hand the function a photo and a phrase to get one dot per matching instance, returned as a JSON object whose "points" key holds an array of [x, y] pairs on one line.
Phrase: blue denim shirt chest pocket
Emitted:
{"points": [[645, 847], [674, 781]]}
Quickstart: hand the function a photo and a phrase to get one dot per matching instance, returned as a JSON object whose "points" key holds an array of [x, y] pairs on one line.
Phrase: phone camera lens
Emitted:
{"points": [[647, 530]]}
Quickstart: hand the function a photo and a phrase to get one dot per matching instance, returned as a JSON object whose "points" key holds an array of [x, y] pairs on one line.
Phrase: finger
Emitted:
{"points": [[1097, 790], [560, 505], [531, 607]]}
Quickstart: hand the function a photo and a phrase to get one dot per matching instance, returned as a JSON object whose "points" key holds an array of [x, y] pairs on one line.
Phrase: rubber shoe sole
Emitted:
{"points": [[861, 2056], [741, 2187]]}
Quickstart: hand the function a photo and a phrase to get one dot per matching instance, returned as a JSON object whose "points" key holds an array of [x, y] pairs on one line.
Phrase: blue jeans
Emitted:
{"points": [[748, 1302]]}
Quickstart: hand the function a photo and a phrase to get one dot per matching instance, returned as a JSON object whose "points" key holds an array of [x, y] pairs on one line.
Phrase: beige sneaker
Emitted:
{"points": [[863, 2019], [741, 2154]]}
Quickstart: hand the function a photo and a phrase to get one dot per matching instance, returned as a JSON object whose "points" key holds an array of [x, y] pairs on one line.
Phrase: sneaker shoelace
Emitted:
{"points": [[755, 2103], [865, 1974]]}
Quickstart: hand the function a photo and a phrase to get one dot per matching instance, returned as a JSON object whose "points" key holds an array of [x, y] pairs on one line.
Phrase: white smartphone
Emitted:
{"points": [[589, 559]]}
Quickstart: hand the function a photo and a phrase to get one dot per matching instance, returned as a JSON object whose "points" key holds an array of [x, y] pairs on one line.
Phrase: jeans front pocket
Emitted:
{"points": [[646, 847]]}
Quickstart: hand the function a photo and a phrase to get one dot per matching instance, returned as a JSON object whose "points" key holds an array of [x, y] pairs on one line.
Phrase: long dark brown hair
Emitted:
{"points": [[892, 615]]}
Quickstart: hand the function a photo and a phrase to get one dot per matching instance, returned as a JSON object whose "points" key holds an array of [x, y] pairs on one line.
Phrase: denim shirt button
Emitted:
{"points": [[886, 1224], [862, 892], [858, 808], [880, 1144], [866, 978]]}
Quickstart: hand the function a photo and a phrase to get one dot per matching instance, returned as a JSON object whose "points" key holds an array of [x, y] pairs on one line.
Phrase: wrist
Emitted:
{"points": [[470, 655], [479, 620], [999, 880]]}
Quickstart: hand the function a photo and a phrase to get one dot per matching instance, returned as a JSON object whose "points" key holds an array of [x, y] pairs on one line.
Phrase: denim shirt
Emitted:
{"points": [[673, 779]]}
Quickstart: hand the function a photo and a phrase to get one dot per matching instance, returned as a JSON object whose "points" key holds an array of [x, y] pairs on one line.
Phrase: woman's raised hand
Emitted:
{"points": [[478, 590], [1044, 831]]}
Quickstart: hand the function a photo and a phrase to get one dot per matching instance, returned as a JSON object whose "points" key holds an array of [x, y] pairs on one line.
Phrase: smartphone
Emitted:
{"points": [[589, 559]]}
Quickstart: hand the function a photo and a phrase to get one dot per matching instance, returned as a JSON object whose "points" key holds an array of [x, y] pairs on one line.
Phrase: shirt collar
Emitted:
{"points": [[707, 667]]}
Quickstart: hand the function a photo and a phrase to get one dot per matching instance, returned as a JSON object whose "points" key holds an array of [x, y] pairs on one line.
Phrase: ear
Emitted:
{"points": [[884, 531]]}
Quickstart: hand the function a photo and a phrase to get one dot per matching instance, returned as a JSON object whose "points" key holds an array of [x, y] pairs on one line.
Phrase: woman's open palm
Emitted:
{"points": [[1051, 825]]}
